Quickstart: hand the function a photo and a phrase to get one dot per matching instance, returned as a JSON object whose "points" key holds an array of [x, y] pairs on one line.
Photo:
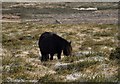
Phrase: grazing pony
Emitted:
{"points": [[50, 44]]}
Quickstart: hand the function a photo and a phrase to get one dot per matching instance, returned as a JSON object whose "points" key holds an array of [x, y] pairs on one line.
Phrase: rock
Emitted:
{"points": [[82, 53], [61, 65], [73, 77], [58, 22]]}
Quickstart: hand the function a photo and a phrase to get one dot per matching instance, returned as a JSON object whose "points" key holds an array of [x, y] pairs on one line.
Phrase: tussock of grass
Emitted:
{"points": [[48, 79], [7, 60]]}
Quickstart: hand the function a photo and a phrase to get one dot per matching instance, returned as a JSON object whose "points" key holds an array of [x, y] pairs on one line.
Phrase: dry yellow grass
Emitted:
{"points": [[21, 52]]}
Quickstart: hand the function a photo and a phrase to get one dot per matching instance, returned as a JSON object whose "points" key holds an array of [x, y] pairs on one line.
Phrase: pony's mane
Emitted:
{"points": [[64, 40]]}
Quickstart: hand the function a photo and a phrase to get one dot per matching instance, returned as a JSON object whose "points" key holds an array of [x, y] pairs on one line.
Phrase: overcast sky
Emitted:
{"points": [[60, 0]]}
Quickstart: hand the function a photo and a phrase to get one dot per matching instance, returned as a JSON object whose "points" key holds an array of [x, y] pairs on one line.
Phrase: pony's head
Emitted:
{"points": [[67, 50]]}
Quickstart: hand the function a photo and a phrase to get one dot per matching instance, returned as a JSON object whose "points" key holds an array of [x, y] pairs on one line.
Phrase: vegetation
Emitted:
{"points": [[20, 49], [94, 45]]}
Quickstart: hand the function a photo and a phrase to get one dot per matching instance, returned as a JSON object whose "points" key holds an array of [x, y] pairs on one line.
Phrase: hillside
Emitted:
{"points": [[93, 35]]}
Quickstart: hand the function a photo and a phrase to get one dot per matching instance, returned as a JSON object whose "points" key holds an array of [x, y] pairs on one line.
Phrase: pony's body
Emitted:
{"points": [[50, 43]]}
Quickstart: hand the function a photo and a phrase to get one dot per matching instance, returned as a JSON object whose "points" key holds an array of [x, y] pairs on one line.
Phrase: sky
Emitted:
{"points": [[59, 0]]}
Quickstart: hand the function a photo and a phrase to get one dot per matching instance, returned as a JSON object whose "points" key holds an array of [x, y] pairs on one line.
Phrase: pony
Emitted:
{"points": [[50, 44]]}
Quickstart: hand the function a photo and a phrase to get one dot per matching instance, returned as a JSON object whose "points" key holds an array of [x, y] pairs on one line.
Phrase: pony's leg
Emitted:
{"points": [[51, 56], [48, 56], [59, 55], [44, 57]]}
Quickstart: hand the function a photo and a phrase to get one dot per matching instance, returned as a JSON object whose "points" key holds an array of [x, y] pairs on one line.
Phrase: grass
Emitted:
{"points": [[75, 67], [13, 67], [70, 59], [34, 12], [20, 60], [20, 44], [52, 79]]}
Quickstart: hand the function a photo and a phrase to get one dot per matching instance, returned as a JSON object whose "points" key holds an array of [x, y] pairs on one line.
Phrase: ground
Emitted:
{"points": [[93, 35]]}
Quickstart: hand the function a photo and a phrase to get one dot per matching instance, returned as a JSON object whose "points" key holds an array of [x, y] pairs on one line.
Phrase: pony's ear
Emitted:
{"points": [[70, 42]]}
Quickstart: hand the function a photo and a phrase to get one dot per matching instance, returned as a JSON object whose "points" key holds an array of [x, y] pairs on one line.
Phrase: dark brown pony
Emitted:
{"points": [[50, 44]]}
